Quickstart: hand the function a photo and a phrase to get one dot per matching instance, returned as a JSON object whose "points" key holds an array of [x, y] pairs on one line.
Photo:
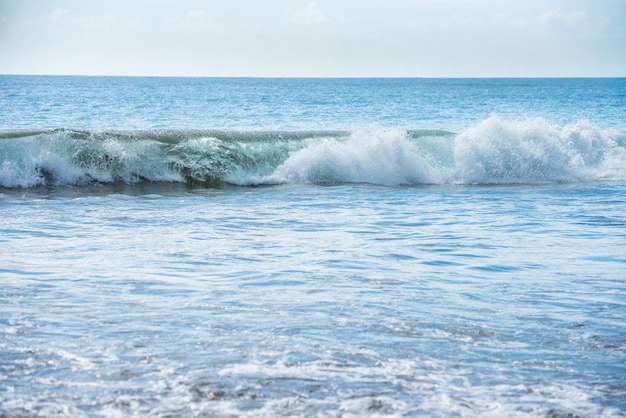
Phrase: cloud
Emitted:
{"points": [[457, 21], [63, 17], [311, 15], [193, 19], [573, 19], [508, 23], [59, 16], [314, 37]]}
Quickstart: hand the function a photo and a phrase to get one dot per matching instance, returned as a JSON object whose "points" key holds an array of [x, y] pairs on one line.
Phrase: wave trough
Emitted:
{"points": [[495, 151]]}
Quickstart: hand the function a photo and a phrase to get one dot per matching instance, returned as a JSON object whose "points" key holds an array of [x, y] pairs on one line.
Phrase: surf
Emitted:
{"points": [[494, 151]]}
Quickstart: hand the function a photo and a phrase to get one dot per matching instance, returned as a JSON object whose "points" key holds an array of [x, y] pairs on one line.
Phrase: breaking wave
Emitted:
{"points": [[495, 151]]}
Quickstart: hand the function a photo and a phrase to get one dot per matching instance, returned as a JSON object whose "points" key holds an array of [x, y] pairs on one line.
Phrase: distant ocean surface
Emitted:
{"points": [[312, 247]]}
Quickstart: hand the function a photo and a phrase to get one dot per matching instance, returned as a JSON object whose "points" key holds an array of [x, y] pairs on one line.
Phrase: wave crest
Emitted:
{"points": [[495, 151], [375, 156], [498, 151]]}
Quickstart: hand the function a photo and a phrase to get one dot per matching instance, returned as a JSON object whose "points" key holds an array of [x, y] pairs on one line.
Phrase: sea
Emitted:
{"points": [[251, 247]]}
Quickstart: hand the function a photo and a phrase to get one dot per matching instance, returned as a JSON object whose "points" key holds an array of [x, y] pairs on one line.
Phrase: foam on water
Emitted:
{"points": [[496, 151], [270, 386], [374, 156], [314, 301], [65, 157], [533, 151]]}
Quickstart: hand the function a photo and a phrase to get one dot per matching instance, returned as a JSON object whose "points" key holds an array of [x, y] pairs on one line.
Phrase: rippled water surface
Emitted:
{"points": [[314, 300]]}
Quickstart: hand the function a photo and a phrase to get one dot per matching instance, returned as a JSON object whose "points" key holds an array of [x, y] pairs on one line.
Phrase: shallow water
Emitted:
{"points": [[349, 299]]}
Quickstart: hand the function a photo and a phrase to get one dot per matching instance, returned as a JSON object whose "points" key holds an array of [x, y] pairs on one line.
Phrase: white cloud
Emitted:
{"points": [[506, 22], [311, 15], [567, 19], [59, 16], [314, 37], [193, 18], [64, 17], [457, 21]]}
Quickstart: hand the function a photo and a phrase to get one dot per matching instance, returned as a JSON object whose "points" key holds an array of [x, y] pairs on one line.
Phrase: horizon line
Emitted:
{"points": [[313, 77]]}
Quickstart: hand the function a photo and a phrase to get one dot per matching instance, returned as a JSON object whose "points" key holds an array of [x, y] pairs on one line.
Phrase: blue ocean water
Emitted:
{"points": [[312, 247]]}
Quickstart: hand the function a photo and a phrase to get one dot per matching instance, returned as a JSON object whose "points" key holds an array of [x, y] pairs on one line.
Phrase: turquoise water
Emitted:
{"points": [[312, 247]]}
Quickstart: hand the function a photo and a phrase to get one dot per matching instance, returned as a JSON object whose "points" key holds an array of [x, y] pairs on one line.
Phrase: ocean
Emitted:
{"points": [[312, 247]]}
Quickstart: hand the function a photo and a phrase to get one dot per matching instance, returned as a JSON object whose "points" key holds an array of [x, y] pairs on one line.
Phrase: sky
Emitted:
{"points": [[321, 38]]}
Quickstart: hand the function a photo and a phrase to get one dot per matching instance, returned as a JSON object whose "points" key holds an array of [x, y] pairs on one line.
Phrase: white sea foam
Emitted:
{"points": [[533, 151], [376, 156], [495, 151], [58, 157]]}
